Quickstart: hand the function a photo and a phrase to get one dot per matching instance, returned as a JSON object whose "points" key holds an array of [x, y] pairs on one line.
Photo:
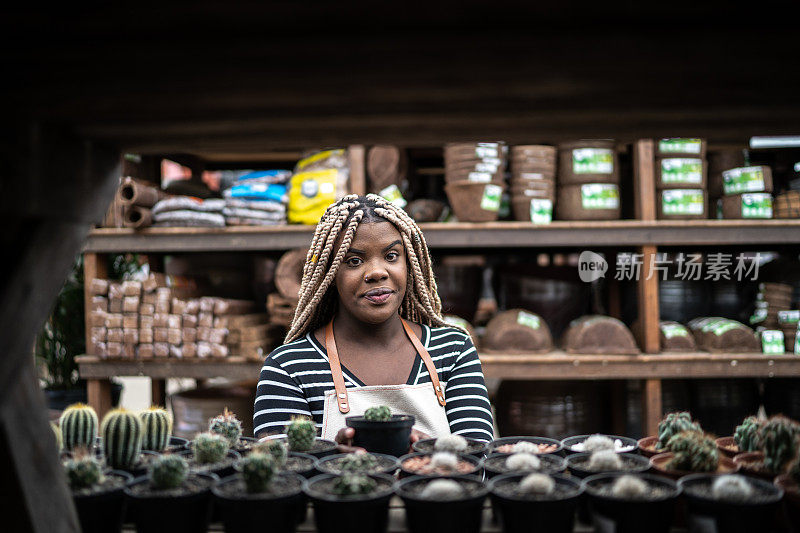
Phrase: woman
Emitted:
{"points": [[368, 331]]}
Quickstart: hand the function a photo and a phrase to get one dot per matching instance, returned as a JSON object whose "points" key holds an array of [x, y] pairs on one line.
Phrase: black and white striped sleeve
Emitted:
{"points": [[468, 409], [278, 398]]}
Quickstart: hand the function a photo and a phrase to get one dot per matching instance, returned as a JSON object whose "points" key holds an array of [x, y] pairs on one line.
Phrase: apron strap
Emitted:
{"points": [[336, 366]]}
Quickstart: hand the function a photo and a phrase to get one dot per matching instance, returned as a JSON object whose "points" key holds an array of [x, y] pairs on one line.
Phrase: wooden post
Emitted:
{"points": [[158, 392], [98, 392], [358, 176], [94, 266], [651, 406]]}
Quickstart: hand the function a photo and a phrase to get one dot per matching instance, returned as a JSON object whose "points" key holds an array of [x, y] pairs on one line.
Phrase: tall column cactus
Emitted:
{"points": [[122, 438], [78, 425], [226, 425], [778, 438], [156, 429]]}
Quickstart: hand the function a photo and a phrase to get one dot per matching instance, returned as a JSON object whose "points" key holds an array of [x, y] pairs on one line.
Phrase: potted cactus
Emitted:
{"points": [[121, 433], [350, 500], [671, 424], [584, 465], [733, 502], [170, 498], [451, 443], [157, 431], [537, 445], [691, 452], [301, 437], [78, 427], [515, 463], [443, 504], [363, 463], [597, 442], [230, 427], [259, 490], [535, 502], [630, 503], [380, 431], [776, 442], [301, 464], [438, 464], [210, 452], [98, 496]]}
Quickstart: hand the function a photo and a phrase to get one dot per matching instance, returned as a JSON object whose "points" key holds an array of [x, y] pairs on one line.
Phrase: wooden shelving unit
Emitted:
{"points": [[644, 235]]}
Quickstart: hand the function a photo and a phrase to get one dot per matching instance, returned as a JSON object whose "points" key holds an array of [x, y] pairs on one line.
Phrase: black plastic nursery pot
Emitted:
{"points": [[103, 512], [577, 464], [390, 437], [302, 464], [631, 445], [464, 515], [387, 464], [154, 512], [321, 448], [715, 516], [367, 513], [476, 466], [494, 465], [499, 445], [141, 466], [475, 448], [631, 516], [245, 513], [520, 514], [222, 470], [177, 443]]}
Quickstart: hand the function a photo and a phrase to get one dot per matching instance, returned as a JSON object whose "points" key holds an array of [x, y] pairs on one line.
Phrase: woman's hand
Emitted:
{"points": [[416, 435], [344, 439]]}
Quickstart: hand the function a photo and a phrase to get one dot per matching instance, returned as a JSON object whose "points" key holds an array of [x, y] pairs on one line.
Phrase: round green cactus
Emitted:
{"points": [[78, 425], [209, 448], [258, 470], [301, 434], [157, 427], [378, 414], [226, 425], [672, 424], [694, 451], [358, 462], [83, 471], [122, 438], [278, 449], [353, 484], [168, 472], [778, 438]]}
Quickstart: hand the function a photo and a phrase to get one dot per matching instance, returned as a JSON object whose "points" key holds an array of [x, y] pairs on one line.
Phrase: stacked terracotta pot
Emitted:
{"points": [[475, 179], [588, 181], [681, 177], [747, 192], [775, 309], [533, 183]]}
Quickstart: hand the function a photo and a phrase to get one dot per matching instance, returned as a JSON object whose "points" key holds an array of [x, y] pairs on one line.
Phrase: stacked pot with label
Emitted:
{"points": [[681, 176], [747, 193], [588, 181], [475, 179], [533, 183]]}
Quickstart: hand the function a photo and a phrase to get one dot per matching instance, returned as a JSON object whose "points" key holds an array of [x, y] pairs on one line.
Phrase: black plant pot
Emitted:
{"points": [[307, 467], [153, 513], [321, 448], [629, 516], [245, 513], [391, 437], [103, 512], [387, 464], [550, 464], [475, 448], [437, 516], [522, 515], [177, 444], [222, 471], [709, 515], [495, 445], [368, 514], [140, 468]]}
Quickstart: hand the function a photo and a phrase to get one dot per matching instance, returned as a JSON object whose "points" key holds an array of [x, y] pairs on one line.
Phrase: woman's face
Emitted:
{"points": [[371, 280]]}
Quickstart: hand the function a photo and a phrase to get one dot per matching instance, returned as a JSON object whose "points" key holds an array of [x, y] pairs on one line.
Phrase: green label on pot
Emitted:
{"points": [[541, 211], [394, 196], [592, 161], [789, 316], [674, 330], [772, 341], [680, 146], [491, 197], [487, 150], [599, 196], [743, 179], [488, 165], [757, 205], [527, 319], [682, 170], [682, 201], [479, 177], [759, 315]]}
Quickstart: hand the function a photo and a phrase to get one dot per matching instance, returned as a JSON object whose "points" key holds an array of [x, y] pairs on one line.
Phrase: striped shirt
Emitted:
{"points": [[295, 376]]}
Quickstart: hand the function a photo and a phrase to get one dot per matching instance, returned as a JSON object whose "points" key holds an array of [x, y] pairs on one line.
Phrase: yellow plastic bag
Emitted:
{"points": [[310, 194]]}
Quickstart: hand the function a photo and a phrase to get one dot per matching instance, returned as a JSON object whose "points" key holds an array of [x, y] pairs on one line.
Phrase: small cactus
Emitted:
{"points": [[604, 461], [168, 472], [276, 448], [157, 428], [629, 488], [258, 469], [538, 484], [358, 462], [353, 485], [378, 414], [444, 461], [523, 462], [524, 446], [83, 470], [778, 438], [732, 488], [672, 424], [78, 425], [596, 443], [57, 435], [301, 434], [694, 451], [226, 425], [122, 438], [746, 434], [442, 489], [450, 443], [209, 448]]}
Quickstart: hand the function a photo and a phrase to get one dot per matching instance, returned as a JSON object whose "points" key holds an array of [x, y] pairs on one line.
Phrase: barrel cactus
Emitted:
{"points": [[672, 424], [157, 428], [778, 438], [122, 438], [258, 470], [83, 470], [442, 489], [301, 434], [746, 434], [78, 425], [168, 472], [694, 451], [537, 484], [732, 488], [353, 485], [378, 414], [629, 487], [226, 425], [209, 448], [451, 443]]}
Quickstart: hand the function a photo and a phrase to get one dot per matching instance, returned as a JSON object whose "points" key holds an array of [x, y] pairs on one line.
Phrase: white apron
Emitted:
{"points": [[424, 401]]}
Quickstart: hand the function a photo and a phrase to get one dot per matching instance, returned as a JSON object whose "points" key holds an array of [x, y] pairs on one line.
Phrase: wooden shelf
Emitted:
{"points": [[551, 366], [462, 235]]}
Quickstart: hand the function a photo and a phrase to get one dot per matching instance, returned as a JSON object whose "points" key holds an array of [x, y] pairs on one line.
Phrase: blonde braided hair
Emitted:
{"points": [[318, 299]]}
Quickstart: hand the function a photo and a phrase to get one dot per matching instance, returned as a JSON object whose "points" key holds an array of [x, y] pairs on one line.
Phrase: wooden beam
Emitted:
{"points": [[158, 392], [651, 406], [358, 176], [98, 392]]}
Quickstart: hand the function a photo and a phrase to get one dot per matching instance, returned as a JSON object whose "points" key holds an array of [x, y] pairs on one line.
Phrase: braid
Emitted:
{"points": [[318, 299]]}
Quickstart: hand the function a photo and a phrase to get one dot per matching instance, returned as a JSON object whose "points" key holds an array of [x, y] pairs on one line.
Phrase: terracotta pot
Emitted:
{"points": [[658, 462], [752, 464], [727, 446], [523, 177], [521, 207], [647, 446], [570, 202], [466, 198], [543, 151], [566, 165]]}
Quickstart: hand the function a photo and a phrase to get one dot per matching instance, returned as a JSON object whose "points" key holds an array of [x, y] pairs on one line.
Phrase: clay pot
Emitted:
{"points": [[467, 200], [601, 335], [289, 272], [752, 464], [541, 151], [386, 165], [518, 330], [569, 162], [658, 462], [675, 343], [572, 206], [727, 446], [733, 206], [647, 446], [424, 210]]}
